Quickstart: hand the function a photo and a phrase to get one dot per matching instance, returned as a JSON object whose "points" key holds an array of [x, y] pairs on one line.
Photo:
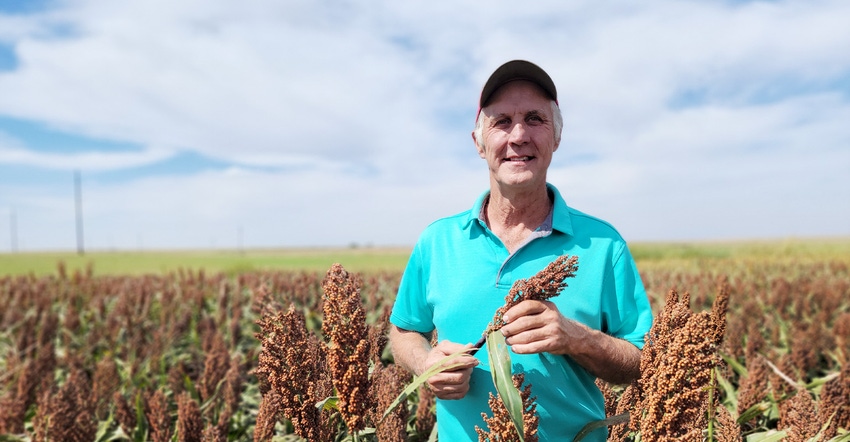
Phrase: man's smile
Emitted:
{"points": [[518, 159]]}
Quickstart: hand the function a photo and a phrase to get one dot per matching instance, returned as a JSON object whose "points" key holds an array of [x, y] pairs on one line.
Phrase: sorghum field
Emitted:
{"points": [[749, 349]]}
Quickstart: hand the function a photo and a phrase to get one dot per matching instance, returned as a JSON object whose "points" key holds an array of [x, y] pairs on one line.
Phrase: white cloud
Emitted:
{"points": [[684, 119], [237, 86]]}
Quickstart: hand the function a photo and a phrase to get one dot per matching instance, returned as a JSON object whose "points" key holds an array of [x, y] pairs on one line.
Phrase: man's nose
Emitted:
{"points": [[519, 133]]}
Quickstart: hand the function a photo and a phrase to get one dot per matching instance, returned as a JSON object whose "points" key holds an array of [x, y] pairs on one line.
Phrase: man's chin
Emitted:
{"points": [[524, 179]]}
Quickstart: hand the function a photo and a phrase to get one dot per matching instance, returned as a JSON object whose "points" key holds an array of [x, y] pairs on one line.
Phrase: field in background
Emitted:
{"points": [[691, 255], [193, 346], [230, 262]]}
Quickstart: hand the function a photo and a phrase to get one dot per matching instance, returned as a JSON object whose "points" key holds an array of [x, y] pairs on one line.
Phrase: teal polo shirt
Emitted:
{"points": [[459, 273]]}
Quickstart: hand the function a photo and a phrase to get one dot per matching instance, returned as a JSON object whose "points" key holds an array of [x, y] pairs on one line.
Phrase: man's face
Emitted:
{"points": [[518, 137]]}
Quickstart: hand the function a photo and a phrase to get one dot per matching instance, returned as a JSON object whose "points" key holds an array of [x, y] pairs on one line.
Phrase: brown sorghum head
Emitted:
{"points": [[216, 364], [841, 331], [500, 427], [231, 391], [12, 413], [213, 433], [835, 403], [425, 417], [755, 340], [797, 416], [105, 383], [190, 425], [378, 334], [719, 309], [125, 413], [727, 429], [387, 383], [677, 363], [268, 415], [609, 395], [349, 347], [158, 416], [752, 388], [21, 393], [626, 402], [67, 415], [292, 363], [546, 284]]}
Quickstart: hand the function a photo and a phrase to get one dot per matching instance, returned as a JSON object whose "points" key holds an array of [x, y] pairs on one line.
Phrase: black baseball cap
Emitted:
{"points": [[517, 70]]}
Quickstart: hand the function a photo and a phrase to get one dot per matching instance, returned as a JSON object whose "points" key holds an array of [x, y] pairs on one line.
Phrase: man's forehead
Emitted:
{"points": [[497, 111], [523, 97]]}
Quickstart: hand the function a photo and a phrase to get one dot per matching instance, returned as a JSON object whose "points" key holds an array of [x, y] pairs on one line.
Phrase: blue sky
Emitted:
{"points": [[210, 124]]}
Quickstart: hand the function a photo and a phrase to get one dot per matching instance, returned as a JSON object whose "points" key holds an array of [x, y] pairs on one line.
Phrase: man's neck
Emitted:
{"points": [[513, 216]]}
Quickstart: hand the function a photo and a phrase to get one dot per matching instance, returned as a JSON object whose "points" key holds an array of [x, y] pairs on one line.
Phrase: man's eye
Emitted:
{"points": [[535, 118], [503, 121]]}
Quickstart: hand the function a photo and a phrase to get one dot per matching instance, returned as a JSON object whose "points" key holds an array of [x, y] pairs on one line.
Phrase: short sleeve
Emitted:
{"points": [[411, 310], [630, 316]]}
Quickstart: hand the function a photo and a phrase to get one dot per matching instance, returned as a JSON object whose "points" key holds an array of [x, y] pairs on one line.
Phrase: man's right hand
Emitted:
{"points": [[452, 383], [412, 350]]}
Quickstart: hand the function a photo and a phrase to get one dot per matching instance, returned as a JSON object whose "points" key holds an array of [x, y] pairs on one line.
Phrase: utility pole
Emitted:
{"points": [[13, 230], [78, 198], [239, 240]]}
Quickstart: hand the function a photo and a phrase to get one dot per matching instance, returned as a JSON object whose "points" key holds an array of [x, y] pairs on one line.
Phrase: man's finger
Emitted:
{"points": [[524, 308]]}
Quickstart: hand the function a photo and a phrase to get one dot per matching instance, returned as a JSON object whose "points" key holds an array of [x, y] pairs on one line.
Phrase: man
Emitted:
{"points": [[463, 266]]}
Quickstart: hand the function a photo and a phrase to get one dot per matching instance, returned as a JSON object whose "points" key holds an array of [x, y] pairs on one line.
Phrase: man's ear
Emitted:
{"points": [[477, 145]]}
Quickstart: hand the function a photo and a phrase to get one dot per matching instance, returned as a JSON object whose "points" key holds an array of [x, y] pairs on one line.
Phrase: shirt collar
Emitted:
{"points": [[558, 219], [561, 220]]}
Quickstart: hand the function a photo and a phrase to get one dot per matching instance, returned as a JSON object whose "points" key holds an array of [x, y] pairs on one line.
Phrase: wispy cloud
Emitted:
{"points": [[91, 161]]}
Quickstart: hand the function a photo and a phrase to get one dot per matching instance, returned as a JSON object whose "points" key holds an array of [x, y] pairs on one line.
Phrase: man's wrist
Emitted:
{"points": [[579, 341]]}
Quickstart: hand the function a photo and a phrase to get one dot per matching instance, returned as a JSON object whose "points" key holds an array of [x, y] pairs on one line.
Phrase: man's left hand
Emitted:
{"points": [[538, 326]]}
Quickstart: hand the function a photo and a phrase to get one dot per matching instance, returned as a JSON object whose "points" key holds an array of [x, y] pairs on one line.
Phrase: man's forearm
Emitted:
{"points": [[410, 349], [611, 359]]}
